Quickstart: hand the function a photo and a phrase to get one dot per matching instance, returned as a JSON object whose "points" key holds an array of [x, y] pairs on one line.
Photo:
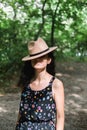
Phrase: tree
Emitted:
{"points": [[62, 23]]}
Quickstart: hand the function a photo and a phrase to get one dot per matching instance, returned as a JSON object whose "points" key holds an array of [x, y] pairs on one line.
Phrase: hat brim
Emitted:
{"points": [[26, 58]]}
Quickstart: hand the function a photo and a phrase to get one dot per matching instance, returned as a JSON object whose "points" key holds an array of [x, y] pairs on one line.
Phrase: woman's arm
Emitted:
{"points": [[18, 118], [19, 115], [58, 92]]}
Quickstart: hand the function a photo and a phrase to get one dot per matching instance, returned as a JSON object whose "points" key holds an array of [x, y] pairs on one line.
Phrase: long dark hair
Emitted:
{"points": [[27, 72]]}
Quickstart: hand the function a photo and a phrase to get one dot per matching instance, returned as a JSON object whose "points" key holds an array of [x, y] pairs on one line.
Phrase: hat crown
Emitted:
{"points": [[36, 47]]}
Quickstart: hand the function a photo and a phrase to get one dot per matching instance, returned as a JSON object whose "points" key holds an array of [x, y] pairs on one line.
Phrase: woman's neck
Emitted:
{"points": [[41, 75]]}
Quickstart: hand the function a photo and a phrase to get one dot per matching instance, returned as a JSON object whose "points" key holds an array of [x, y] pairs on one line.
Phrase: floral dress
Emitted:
{"points": [[37, 109]]}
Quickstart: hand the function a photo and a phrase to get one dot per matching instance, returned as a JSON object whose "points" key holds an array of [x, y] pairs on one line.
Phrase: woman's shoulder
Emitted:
{"points": [[57, 88], [57, 84]]}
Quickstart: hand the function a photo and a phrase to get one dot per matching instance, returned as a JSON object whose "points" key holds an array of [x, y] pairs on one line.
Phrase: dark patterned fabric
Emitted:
{"points": [[37, 109]]}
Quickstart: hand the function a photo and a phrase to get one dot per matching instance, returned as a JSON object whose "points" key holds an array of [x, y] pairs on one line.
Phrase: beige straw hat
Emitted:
{"points": [[37, 49]]}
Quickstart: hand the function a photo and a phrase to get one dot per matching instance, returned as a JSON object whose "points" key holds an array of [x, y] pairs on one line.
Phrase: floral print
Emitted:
{"points": [[37, 109]]}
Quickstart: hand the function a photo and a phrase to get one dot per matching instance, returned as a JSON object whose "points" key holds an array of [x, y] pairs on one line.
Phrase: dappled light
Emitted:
{"points": [[74, 76], [61, 74], [59, 22], [2, 110], [75, 87]]}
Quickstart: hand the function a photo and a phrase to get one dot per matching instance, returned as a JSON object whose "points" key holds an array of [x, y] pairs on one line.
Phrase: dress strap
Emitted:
{"points": [[52, 79]]}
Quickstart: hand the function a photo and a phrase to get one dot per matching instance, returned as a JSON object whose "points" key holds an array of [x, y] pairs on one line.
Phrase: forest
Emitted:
{"points": [[62, 23], [59, 22]]}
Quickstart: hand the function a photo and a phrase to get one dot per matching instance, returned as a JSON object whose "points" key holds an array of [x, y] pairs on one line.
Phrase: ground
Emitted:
{"points": [[74, 77]]}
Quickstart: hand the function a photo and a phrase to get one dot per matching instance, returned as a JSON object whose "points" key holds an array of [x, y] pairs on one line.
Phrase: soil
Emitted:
{"points": [[74, 77]]}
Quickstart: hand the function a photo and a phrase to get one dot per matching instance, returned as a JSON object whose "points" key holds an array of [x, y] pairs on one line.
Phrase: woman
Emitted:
{"points": [[42, 98]]}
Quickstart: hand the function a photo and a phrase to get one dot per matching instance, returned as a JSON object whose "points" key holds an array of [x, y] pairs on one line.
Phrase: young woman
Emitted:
{"points": [[42, 97]]}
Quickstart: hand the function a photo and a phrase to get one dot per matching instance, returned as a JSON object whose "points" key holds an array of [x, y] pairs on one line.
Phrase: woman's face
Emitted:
{"points": [[41, 62]]}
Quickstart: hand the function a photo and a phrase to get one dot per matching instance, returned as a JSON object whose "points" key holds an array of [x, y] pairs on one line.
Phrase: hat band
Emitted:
{"points": [[39, 52]]}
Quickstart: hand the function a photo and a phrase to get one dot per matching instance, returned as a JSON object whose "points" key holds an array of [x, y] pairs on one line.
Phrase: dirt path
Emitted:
{"points": [[74, 77]]}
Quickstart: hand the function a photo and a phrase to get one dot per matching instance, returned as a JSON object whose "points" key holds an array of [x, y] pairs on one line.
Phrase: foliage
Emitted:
{"points": [[62, 23]]}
